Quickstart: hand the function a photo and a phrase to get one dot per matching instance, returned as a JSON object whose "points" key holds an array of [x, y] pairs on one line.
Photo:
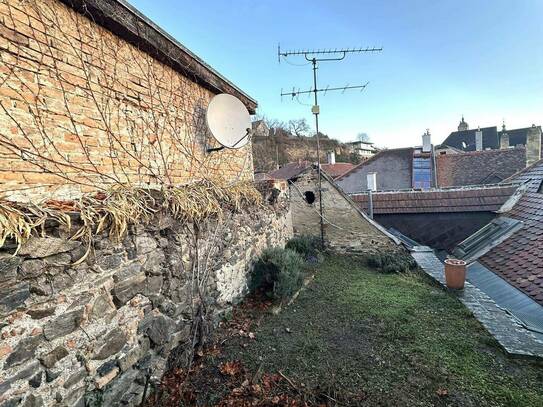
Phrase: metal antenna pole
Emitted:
{"points": [[340, 54], [316, 113]]}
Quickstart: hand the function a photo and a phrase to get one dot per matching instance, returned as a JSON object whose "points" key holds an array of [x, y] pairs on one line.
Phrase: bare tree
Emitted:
{"points": [[298, 127], [363, 137]]}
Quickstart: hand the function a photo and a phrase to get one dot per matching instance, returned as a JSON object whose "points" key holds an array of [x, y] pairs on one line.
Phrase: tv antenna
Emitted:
{"points": [[229, 122], [315, 56]]}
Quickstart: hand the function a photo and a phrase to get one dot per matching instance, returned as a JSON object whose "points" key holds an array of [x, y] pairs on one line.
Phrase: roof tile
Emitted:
{"points": [[479, 167], [519, 259]]}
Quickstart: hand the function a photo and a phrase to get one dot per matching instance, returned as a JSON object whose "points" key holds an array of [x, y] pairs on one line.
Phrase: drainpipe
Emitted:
{"points": [[370, 203], [435, 166]]}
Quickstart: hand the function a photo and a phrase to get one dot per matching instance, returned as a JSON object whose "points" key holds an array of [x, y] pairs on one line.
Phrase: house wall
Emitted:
{"points": [[94, 334], [346, 230], [82, 109], [393, 172], [442, 231]]}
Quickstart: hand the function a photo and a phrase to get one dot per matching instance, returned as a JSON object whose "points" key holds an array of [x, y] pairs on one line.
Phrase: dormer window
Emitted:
{"points": [[422, 172]]}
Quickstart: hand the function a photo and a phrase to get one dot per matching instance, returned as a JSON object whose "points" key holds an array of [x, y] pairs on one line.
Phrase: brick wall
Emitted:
{"points": [[81, 108], [346, 229]]}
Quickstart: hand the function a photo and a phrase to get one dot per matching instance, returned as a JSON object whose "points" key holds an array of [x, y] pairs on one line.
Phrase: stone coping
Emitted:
{"points": [[513, 337]]}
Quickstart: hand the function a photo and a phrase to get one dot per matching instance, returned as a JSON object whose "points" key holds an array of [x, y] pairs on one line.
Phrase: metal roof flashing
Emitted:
{"points": [[513, 200]]}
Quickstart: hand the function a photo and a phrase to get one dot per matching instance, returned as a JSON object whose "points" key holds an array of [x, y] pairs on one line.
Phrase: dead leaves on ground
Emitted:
{"points": [[230, 368], [234, 384]]}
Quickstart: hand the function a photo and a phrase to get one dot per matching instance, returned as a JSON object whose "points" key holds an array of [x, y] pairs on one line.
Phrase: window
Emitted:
{"points": [[422, 172], [486, 238]]}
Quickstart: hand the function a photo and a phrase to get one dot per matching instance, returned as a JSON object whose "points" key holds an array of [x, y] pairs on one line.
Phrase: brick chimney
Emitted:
{"points": [[479, 140], [533, 145], [331, 156]]}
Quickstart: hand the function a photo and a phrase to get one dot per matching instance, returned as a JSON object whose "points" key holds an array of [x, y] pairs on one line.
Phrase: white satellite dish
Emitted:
{"points": [[229, 121]]}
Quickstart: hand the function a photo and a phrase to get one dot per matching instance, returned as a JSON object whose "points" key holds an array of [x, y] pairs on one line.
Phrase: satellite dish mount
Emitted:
{"points": [[228, 121]]}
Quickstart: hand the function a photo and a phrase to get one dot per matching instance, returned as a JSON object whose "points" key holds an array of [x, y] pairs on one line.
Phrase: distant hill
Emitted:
{"points": [[267, 150]]}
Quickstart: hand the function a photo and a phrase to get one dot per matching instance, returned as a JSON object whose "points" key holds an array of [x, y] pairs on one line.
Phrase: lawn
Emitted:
{"points": [[358, 337]]}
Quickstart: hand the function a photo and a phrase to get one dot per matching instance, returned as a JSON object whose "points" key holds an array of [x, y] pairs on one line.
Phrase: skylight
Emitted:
{"points": [[486, 238]]}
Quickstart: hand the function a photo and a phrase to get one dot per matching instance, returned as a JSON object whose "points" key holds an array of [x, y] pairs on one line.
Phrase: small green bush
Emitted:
{"points": [[309, 247], [277, 273], [391, 262]]}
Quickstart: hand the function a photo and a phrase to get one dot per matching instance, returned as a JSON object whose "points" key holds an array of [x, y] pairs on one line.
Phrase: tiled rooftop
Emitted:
{"points": [[532, 176], [454, 200], [479, 167], [513, 337], [519, 259], [289, 170], [292, 170], [465, 140], [337, 169]]}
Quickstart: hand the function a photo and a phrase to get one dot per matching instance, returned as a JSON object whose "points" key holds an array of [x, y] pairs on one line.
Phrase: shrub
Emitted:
{"points": [[391, 262], [277, 273], [309, 247]]}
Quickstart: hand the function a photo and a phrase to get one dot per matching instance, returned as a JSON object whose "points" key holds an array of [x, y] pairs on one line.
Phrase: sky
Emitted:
{"points": [[440, 59]]}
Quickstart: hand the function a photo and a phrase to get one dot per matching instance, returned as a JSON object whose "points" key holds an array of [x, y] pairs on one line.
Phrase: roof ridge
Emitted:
{"points": [[490, 151]]}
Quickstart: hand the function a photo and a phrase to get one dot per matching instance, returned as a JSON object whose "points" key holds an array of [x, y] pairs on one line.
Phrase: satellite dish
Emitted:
{"points": [[229, 121]]}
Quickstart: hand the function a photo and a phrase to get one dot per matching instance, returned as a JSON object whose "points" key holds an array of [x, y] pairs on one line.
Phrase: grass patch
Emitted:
{"points": [[396, 339]]}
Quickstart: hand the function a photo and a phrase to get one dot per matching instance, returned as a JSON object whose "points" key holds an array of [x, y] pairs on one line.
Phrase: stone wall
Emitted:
{"points": [[346, 228], [81, 108], [96, 333]]}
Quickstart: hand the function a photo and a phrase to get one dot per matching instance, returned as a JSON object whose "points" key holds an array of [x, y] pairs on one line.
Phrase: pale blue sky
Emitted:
{"points": [[440, 59]]}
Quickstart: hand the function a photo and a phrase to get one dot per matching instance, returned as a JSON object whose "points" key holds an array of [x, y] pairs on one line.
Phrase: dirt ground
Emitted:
{"points": [[355, 337]]}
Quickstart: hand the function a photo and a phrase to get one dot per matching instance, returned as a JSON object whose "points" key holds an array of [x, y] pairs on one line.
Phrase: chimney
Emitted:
{"points": [[504, 141], [372, 181], [426, 142], [331, 155], [533, 145], [479, 140], [504, 138]]}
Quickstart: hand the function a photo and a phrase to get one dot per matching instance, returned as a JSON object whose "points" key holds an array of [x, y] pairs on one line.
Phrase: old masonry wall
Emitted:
{"points": [[94, 334]]}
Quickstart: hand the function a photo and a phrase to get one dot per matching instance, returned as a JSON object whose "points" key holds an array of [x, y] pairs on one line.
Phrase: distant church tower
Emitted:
{"points": [[463, 126]]}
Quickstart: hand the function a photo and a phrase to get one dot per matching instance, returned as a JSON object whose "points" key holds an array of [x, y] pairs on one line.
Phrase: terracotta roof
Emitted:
{"points": [[400, 153], [519, 259], [290, 170], [337, 169], [479, 167], [454, 200]]}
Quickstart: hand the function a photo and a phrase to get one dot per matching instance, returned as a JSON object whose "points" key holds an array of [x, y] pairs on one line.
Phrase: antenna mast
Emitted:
{"points": [[336, 54]]}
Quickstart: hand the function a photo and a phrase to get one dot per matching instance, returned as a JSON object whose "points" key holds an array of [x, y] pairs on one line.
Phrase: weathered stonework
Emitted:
{"points": [[346, 228], [94, 334]]}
